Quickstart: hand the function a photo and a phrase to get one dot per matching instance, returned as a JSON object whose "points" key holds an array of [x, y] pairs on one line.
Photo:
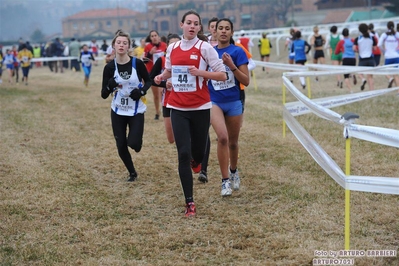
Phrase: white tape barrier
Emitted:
{"points": [[318, 154], [378, 70], [390, 137], [379, 184], [384, 136], [306, 70], [55, 58], [386, 185], [282, 66], [299, 108], [317, 109]]}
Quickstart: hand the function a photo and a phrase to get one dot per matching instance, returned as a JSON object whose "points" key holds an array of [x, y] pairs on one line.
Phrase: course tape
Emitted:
{"points": [[318, 110], [299, 108], [386, 185], [314, 149], [389, 137], [59, 58], [384, 136], [327, 70], [340, 69]]}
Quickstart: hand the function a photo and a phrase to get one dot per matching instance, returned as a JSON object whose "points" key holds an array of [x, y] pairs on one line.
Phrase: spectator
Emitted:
{"points": [[134, 45], [37, 54], [43, 52], [104, 46], [49, 53], [65, 63], [1, 62], [74, 51], [58, 51], [20, 43]]}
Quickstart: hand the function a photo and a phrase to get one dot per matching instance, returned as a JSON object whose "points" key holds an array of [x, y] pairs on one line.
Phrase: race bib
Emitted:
{"points": [[86, 61], [182, 80], [157, 55], [223, 85]]}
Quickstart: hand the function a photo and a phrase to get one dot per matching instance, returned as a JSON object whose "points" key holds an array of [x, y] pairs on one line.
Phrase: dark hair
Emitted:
{"points": [[200, 34], [391, 28], [231, 26], [345, 32], [334, 29], [148, 38], [191, 12], [214, 19], [371, 27], [364, 29], [173, 36], [298, 34]]}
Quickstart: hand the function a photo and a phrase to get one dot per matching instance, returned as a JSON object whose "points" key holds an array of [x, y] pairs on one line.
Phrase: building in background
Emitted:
{"points": [[164, 15], [103, 23]]}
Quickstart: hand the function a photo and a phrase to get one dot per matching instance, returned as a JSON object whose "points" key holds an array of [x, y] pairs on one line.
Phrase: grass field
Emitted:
{"points": [[64, 199]]}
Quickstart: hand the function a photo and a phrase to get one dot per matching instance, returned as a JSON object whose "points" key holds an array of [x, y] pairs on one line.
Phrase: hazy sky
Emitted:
{"points": [[20, 18]]}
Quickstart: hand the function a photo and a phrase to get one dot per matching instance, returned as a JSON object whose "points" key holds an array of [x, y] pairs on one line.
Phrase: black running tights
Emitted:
{"points": [[134, 138], [191, 129]]}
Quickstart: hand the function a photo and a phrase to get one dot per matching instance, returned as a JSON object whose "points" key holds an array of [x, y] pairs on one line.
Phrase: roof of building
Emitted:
{"points": [[337, 16], [366, 15], [98, 13]]}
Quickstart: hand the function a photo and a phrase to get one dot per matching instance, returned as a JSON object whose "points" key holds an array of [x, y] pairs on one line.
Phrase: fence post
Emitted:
{"points": [[349, 118]]}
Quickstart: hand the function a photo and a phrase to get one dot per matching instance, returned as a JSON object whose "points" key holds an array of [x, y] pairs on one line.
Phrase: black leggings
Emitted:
{"points": [[191, 129], [134, 139]]}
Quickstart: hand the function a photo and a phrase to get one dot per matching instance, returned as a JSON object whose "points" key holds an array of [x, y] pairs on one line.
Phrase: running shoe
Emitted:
{"points": [[340, 84], [235, 178], [202, 177], [196, 167], [303, 86], [363, 84], [190, 209], [156, 117], [132, 177], [390, 82], [226, 188], [354, 80]]}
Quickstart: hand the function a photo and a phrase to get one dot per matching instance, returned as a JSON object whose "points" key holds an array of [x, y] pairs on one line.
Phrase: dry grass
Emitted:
{"points": [[64, 199]]}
